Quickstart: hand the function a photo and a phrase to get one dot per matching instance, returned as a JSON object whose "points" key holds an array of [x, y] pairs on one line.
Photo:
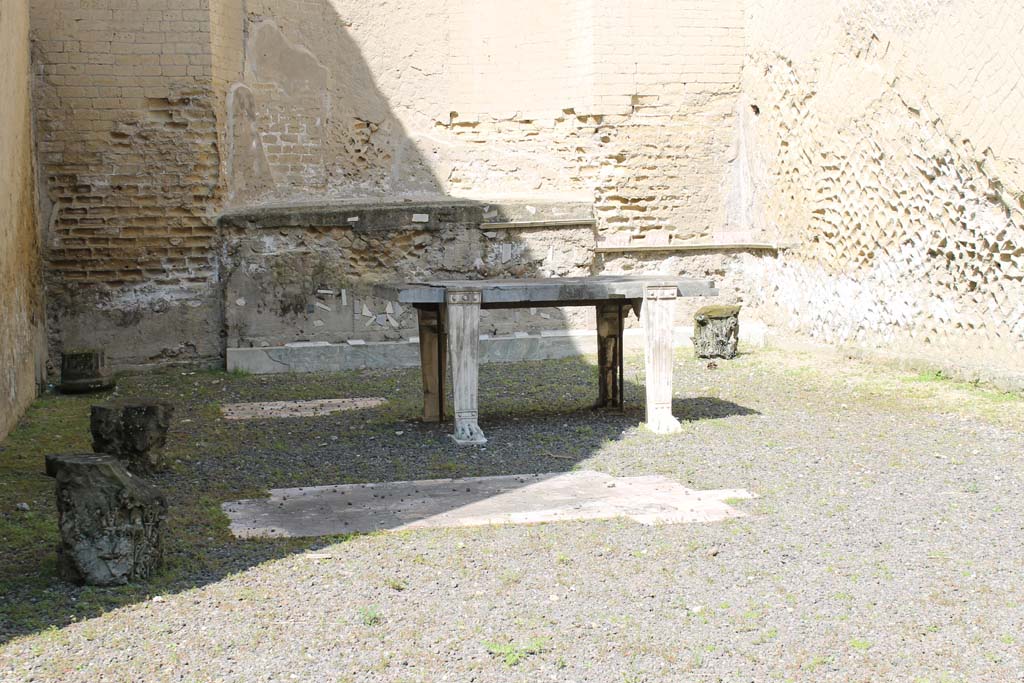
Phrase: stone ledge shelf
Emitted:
{"points": [[428, 214], [361, 216], [735, 246], [517, 225]]}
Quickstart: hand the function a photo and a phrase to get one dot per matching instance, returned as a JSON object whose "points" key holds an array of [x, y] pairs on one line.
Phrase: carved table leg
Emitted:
{"points": [[609, 355], [432, 362], [658, 309], [463, 323]]}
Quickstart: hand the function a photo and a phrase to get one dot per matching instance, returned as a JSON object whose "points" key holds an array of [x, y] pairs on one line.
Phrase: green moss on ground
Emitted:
{"points": [[210, 458], [200, 546]]}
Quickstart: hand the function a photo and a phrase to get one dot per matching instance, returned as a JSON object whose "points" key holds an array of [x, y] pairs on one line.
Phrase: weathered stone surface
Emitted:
{"points": [[133, 431], [313, 408], [85, 371], [716, 331], [110, 520], [658, 309], [463, 323], [305, 273], [477, 501]]}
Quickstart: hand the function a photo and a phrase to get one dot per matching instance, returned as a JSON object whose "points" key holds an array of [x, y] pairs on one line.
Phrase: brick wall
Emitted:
{"points": [[630, 104], [126, 113], [21, 317]]}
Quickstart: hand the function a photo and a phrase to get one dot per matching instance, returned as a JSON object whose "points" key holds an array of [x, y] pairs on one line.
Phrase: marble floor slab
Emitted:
{"points": [[479, 501], [316, 408]]}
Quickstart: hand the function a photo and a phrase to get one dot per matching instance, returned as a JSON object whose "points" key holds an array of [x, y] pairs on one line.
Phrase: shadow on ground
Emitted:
{"points": [[536, 416]]}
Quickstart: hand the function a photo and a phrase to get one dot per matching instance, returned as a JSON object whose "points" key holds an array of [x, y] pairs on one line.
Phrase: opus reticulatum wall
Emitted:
{"points": [[886, 150]]}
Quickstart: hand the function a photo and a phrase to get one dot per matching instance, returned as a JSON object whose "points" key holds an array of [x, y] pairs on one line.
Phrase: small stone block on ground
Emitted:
{"points": [[83, 372], [716, 331], [478, 501], [111, 521], [133, 430], [316, 408]]}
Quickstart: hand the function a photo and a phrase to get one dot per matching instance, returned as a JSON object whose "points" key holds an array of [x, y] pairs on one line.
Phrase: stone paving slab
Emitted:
{"points": [[319, 407], [481, 501]]}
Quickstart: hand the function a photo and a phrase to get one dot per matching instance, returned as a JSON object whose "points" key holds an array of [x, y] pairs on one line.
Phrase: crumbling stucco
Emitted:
{"points": [[293, 284], [127, 106]]}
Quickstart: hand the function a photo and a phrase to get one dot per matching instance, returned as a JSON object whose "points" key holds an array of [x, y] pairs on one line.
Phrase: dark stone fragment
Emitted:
{"points": [[133, 431], [716, 331], [110, 521], [84, 372]]}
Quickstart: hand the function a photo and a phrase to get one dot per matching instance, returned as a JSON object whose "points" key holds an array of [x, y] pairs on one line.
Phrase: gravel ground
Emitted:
{"points": [[886, 543]]}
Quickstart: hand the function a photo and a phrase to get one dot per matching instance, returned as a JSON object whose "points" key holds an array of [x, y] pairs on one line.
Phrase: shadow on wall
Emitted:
{"points": [[134, 258], [329, 195], [301, 128], [533, 427]]}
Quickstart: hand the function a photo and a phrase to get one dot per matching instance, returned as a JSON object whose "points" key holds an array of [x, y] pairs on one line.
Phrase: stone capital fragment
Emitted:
{"points": [[111, 521]]}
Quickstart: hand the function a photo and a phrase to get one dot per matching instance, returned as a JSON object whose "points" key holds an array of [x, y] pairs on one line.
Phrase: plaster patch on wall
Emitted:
{"points": [[271, 58], [248, 167]]}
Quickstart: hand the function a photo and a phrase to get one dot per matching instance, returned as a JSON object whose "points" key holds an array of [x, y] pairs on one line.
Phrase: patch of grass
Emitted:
{"points": [[511, 577], [444, 469], [370, 616], [860, 644], [929, 376], [818, 661], [511, 653]]}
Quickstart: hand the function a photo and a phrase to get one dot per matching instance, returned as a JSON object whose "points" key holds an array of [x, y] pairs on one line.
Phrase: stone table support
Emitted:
{"points": [[433, 361], [463, 324], [610, 317], [657, 317]]}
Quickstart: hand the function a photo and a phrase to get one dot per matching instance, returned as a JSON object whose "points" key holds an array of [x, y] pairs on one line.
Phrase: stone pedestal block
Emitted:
{"points": [[86, 371], [110, 521], [716, 331], [133, 431]]}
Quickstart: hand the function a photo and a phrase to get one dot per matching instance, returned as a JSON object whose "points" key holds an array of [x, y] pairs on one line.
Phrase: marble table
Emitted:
{"points": [[449, 329]]}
